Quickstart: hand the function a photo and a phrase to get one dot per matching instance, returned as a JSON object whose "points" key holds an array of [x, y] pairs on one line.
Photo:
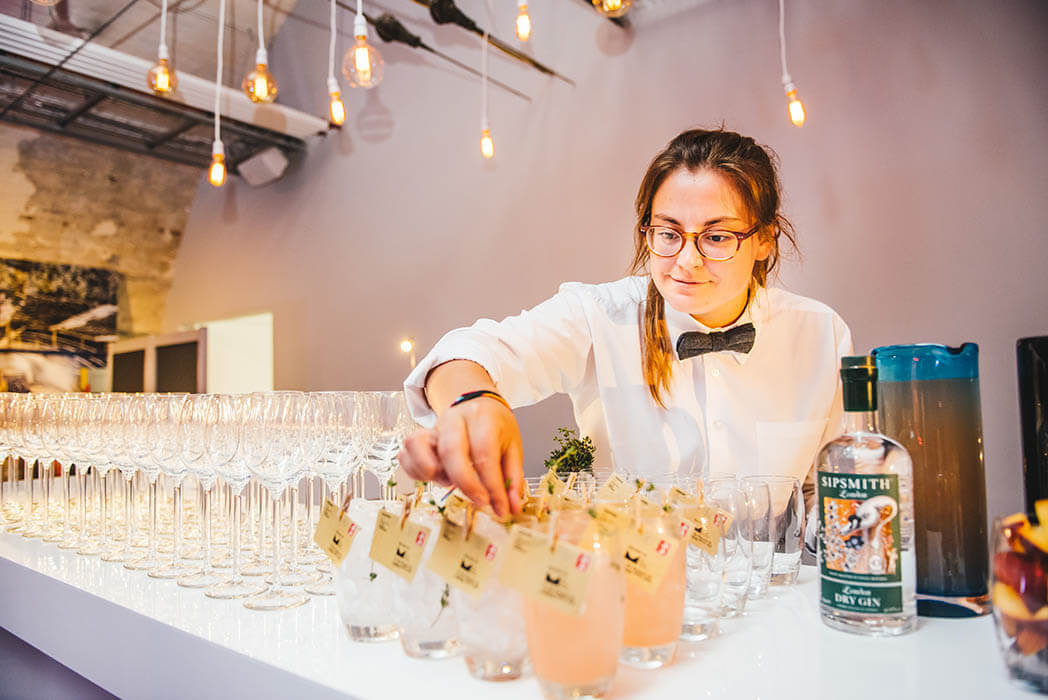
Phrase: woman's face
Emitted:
{"points": [[713, 292]]}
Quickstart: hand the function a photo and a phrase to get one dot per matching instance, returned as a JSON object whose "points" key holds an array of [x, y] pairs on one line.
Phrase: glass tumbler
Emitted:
{"points": [[1019, 588], [491, 624], [576, 656], [363, 588], [654, 618], [425, 617]]}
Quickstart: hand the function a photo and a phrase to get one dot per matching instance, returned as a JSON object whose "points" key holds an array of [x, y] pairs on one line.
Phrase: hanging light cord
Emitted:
{"points": [[218, 69], [782, 42], [261, 37], [484, 83], [331, 46], [163, 28], [32, 86]]}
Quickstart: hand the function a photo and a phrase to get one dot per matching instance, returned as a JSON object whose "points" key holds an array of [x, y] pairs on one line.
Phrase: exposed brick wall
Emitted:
{"points": [[68, 201]]}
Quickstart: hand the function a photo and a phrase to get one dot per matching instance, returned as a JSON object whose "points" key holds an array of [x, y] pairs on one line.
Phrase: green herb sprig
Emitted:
{"points": [[572, 453]]}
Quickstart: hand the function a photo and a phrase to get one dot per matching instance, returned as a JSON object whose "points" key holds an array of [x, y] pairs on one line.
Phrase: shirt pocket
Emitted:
{"points": [[788, 447]]}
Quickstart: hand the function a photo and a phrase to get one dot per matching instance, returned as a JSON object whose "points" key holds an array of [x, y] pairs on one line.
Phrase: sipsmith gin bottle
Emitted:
{"points": [[864, 485]]}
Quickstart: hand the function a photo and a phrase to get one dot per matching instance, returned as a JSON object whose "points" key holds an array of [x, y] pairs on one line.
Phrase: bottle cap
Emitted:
{"points": [[859, 379]]}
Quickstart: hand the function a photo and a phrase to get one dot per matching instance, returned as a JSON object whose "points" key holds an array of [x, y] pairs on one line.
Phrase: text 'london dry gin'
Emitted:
{"points": [[864, 483]]}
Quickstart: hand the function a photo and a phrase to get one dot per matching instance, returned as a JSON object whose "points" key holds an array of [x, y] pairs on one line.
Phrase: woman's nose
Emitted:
{"points": [[689, 255]]}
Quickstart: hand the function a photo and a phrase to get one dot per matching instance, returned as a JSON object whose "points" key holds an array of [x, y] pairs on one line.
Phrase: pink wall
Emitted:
{"points": [[926, 141]]}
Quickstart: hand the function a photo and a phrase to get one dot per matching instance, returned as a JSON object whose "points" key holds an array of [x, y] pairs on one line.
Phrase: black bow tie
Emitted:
{"points": [[737, 339]]}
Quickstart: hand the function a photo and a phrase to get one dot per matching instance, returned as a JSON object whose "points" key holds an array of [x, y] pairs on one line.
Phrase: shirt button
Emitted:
{"points": [[715, 372], [718, 424]]}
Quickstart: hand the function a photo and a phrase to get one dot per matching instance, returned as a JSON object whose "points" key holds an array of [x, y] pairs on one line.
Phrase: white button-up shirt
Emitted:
{"points": [[765, 412]]}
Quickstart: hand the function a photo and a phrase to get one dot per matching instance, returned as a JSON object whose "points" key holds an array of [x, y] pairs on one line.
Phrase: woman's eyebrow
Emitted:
{"points": [[709, 223]]}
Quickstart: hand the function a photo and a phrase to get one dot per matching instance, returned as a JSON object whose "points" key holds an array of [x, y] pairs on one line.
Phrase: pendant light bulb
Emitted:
{"points": [[337, 109], [259, 84], [523, 21], [487, 146], [362, 65], [795, 106], [216, 174], [161, 77], [612, 8]]}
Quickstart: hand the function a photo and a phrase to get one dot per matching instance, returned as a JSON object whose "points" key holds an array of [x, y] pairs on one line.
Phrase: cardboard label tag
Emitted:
{"points": [[520, 556], [335, 533], [398, 549], [456, 505], [678, 496], [708, 525], [614, 489], [606, 520], [550, 485], [464, 564], [646, 558], [561, 578]]}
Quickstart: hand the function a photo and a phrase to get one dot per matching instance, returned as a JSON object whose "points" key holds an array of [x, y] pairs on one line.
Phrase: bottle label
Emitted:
{"points": [[859, 562]]}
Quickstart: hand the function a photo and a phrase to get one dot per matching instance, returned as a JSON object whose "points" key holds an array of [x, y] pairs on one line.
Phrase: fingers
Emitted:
{"points": [[419, 458], [513, 469], [486, 453], [453, 449]]}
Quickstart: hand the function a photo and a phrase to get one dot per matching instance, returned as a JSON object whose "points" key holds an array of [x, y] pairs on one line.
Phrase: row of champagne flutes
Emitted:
{"points": [[271, 440]]}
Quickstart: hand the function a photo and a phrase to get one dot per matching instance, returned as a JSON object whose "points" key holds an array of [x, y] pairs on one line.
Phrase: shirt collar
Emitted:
{"points": [[756, 312]]}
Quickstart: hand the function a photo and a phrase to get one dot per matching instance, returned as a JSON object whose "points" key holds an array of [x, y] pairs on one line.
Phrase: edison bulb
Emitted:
{"points": [[612, 8], [260, 85], [337, 113], [162, 78], [523, 22], [406, 345], [362, 64], [796, 108], [216, 175], [487, 146]]}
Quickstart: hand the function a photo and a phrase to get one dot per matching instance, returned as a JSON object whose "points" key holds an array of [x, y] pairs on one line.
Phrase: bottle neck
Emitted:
{"points": [[860, 421]]}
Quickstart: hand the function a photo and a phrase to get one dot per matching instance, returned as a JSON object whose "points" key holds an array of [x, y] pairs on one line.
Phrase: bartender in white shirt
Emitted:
{"points": [[693, 365]]}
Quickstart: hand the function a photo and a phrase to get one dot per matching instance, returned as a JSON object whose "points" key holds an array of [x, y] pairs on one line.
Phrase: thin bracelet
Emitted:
{"points": [[470, 395]]}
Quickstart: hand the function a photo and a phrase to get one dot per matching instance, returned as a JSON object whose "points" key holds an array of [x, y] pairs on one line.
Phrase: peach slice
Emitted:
{"points": [[1031, 640], [1041, 509], [1009, 602], [1038, 536]]}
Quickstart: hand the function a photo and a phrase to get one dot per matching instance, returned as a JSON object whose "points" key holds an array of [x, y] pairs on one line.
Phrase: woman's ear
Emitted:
{"points": [[765, 245]]}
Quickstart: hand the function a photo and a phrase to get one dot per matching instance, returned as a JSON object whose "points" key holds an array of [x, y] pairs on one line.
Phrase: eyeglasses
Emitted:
{"points": [[714, 244]]}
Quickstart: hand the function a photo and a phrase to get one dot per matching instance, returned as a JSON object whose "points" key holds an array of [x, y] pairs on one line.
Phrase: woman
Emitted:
{"points": [[694, 366]]}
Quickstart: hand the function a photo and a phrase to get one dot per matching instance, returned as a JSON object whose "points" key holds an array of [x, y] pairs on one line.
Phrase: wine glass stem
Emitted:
{"points": [[205, 528], [234, 536], [81, 478], [177, 500], [45, 487], [67, 514], [129, 513], [103, 507], [153, 551], [277, 514], [294, 530]]}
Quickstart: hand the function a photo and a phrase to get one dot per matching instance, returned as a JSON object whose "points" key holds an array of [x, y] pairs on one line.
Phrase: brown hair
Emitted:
{"points": [[751, 168]]}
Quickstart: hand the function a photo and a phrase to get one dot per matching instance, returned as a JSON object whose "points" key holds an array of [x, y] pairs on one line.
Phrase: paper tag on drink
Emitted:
{"points": [[335, 533], [464, 564], [678, 495], [396, 548], [456, 505], [550, 485], [561, 578], [614, 489], [646, 557], [708, 524], [521, 555], [606, 519]]}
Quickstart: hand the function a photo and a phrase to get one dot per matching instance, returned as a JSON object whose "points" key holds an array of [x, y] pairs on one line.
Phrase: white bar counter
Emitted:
{"points": [[142, 638]]}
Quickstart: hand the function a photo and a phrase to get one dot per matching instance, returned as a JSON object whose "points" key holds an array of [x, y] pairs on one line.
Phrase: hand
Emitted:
{"points": [[475, 446]]}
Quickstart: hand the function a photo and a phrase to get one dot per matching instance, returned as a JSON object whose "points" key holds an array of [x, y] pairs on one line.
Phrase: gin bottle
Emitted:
{"points": [[864, 485]]}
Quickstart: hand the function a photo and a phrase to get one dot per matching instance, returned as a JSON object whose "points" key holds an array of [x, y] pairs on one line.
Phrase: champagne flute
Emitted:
{"points": [[164, 434], [141, 412], [272, 441], [223, 435]]}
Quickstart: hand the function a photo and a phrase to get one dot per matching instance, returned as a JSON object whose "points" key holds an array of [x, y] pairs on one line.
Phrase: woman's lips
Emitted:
{"points": [[690, 283]]}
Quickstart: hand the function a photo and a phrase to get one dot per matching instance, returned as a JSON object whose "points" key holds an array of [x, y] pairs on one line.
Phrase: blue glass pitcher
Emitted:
{"points": [[929, 401]]}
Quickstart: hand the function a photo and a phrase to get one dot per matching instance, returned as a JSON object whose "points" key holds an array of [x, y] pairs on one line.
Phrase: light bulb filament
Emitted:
{"points": [[217, 174], [523, 23], [796, 108], [362, 61], [338, 109], [612, 5], [487, 146]]}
